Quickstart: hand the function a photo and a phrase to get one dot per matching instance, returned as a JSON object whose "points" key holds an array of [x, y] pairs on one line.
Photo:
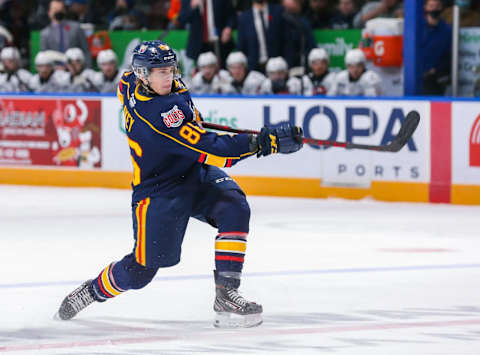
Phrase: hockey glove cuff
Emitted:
{"points": [[284, 139]]}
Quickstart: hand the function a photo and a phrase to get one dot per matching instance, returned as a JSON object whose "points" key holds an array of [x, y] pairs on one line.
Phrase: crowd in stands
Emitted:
{"points": [[274, 50]]}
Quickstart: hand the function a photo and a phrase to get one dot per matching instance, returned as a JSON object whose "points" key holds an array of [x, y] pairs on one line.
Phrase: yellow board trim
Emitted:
{"points": [[263, 186], [465, 194], [231, 246]]}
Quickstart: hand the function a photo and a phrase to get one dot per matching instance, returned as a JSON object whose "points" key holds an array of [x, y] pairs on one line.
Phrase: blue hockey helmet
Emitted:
{"points": [[153, 54]]}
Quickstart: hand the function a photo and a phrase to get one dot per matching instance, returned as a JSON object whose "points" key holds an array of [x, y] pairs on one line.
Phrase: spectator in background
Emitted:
{"points": [[78, 10], [81, 79], [356, 80], [243, 81], [125, 17], [299, 40], [210, 79], [320, 80], [14, 16], [318, 14], [210, 27], [159, 15], [13, 78], [47, 78], [437, 46], [469, 13], [61, 34], [260, 33], [344, 15], [109, 76], [278, 81], [383, 8]]}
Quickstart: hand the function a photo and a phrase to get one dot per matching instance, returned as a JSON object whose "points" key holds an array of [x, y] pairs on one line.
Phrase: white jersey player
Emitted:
{"points": [[209, 79], [356, 80], [13, 78], [81, 79], [320, 80], [47, 78], [108, 78], [278, 81], [243, 82]]}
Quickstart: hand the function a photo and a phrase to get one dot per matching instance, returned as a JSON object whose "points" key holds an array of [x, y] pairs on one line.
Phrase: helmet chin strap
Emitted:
{"points": [[147, 87]]}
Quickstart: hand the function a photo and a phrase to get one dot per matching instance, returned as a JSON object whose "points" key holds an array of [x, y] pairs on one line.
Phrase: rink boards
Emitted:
{"points": [[80, 141]]}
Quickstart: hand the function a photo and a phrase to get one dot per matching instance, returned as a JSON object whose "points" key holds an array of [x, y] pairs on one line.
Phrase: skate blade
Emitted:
{"points": [[228, 320], [56, 316]]}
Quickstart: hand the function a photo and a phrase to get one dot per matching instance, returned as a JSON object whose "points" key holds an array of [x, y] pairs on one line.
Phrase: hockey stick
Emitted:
{"points": [[406, 131]]}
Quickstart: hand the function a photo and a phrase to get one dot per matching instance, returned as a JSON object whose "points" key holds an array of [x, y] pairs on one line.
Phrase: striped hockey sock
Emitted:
{"points": [[104, 285], [230, 250]]}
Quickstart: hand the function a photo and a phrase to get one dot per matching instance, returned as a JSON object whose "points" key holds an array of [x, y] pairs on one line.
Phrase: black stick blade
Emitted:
{"points": [[409, 126]]}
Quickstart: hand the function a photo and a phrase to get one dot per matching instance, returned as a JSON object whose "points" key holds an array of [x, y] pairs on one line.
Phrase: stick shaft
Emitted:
{"points": [[319, 142]]}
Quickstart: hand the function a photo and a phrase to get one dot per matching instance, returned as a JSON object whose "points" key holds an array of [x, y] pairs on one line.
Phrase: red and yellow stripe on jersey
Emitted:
{"points": [[107, 284], [141, 215]]}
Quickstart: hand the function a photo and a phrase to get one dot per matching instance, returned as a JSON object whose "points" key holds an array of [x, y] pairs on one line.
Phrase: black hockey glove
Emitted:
{"points": [[284, 139]]}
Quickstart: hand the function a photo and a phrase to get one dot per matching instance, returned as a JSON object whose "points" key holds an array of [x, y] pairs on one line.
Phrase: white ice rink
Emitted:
{"points": [[334, 277]]}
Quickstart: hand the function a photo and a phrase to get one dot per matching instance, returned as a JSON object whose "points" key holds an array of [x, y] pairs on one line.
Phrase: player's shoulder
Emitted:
{"points": [[370, 76], [342, 76], [254, 75]]}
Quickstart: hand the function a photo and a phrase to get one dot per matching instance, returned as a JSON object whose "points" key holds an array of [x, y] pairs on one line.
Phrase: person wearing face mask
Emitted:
{"points": [[63, 34], [437, 47]]}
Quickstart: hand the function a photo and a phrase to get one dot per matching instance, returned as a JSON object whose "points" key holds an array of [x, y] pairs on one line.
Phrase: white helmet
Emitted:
{"points": [[355, 56], [318, 54], [75, 54], [10, 53], [236, 58], [43, 58], [207, 58], [106, 56], [276, 64]]}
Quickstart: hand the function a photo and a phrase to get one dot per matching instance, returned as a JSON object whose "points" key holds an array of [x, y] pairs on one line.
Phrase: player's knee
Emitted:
{"points": [[234, 212], [141, 276]]}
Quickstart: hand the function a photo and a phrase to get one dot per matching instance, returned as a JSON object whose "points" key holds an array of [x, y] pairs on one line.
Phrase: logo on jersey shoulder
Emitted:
{"points": [[143, 48], [173, 118], [164, 47]]}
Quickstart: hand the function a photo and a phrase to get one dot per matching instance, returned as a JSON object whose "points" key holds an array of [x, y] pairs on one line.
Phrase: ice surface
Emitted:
{"points": [[334, 277]]}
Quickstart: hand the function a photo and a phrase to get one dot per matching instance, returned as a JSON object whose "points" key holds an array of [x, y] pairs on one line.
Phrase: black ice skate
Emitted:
{"points": [[233, 311], [79, 299]]}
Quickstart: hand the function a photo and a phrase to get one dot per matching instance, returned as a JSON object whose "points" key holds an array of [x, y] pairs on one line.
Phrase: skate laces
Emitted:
{"points": [[81, 299], [236, 297]]}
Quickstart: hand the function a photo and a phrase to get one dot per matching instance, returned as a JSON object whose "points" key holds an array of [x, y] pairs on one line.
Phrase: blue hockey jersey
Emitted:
{"points": [[167, 145]]}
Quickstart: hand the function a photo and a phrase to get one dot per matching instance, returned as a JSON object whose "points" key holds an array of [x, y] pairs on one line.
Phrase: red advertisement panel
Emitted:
{"points": [[58, 132]]}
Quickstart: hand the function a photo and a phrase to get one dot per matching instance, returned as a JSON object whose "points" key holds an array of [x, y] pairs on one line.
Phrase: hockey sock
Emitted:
{"points": [[104, 286], [230, 250]]}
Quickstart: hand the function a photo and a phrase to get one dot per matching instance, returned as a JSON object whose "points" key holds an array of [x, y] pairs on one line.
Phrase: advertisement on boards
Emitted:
{"points": [[465, 143], [50, 132], [359, 121]]}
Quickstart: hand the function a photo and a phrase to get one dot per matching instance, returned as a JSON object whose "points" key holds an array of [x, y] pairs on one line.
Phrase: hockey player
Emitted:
{"points": [[209, 79], [243, 82], [108, 78], [13, 78], [320, 80], [278, 81], [356, 80], [47, 78], [82, 79], [176, 176]]}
